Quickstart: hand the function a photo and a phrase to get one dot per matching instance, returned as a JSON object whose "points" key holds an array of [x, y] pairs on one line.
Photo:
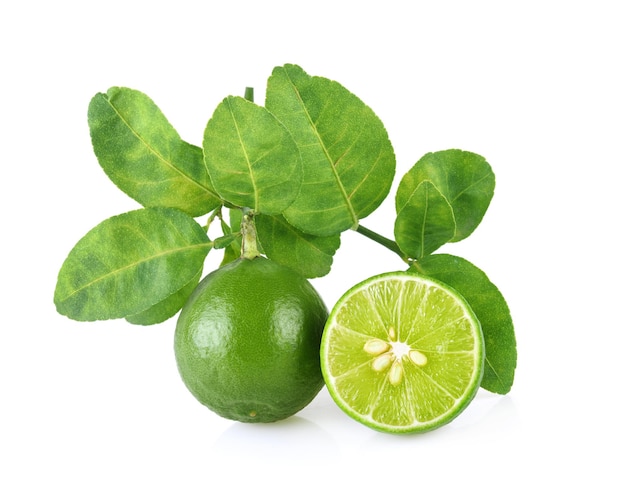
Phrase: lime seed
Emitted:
{"points": [[395, 373], [417, 357], [383, 361], [376, 346]]}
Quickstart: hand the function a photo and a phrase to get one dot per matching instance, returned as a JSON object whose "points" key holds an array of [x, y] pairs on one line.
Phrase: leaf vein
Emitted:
{"points": [[321, 143], [157, 154], [137, 263]]}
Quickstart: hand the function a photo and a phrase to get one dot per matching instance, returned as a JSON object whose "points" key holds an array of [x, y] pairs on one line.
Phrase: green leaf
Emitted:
{"points": [[424, 222], [463, 178], [491, 310], [251, 157], [224, 241], [167, 308], [130, 262], [145, 157], [348, 160], [310, 255]]}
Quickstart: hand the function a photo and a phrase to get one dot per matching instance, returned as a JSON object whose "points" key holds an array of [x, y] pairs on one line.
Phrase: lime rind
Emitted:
{"points": [[247, 341], [368, 381]]}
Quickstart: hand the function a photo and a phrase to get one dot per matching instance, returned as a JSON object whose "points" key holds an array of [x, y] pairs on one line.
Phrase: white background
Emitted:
{"points": [[538, 88]]}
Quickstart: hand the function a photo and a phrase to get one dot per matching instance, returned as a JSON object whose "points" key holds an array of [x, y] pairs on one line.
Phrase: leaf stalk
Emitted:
{"points": [[384, 241]]}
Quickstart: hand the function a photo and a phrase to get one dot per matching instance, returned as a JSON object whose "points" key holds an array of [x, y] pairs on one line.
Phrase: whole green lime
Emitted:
{"points": [[247, 341]]}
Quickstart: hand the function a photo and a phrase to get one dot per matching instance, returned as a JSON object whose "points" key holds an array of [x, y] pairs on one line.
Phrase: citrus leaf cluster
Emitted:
{"points": [[307, 166], [440, 200]]}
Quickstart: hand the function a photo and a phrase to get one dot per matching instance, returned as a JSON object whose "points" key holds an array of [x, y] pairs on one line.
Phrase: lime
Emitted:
{"points": [[402, 353], [247, 341]]}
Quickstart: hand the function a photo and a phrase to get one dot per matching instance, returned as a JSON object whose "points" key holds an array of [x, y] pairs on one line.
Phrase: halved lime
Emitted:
{"points": [[402, 353]]}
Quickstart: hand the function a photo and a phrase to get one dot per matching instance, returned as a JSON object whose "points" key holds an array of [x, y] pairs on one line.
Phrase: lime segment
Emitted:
{"points": [[402, 353]]}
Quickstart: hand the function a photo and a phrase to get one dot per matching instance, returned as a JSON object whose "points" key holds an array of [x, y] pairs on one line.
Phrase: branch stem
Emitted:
{"points": [[384, 241]]}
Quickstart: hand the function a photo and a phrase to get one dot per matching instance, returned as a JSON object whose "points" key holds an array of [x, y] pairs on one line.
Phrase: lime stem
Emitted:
{"points": [[249, 248], [384, 241]]}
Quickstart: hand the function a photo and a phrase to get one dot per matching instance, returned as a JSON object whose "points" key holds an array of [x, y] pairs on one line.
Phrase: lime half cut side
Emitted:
{"points": [[402, 353]]}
